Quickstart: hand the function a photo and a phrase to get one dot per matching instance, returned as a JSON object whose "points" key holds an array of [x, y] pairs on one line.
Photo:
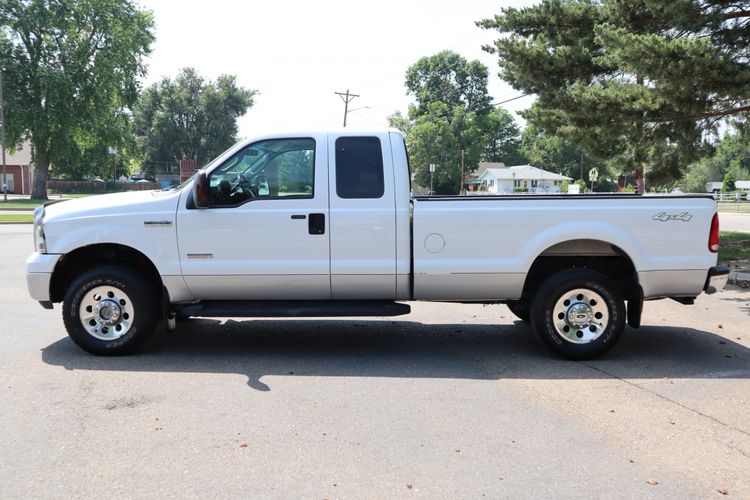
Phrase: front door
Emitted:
{"points": [[266, 234]]}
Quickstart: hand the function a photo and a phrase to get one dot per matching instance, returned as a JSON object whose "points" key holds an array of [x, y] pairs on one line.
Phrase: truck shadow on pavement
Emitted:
{"points": [[403, 349]]}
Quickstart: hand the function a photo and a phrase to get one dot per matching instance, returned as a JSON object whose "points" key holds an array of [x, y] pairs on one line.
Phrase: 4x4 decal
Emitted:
{"points": [[665, 217]]}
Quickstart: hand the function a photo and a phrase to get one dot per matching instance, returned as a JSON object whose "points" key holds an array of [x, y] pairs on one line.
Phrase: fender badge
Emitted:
{"points": [[665, 217], [200, 256]]}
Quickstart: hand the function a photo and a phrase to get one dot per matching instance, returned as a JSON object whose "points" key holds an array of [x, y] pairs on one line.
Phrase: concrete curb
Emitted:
{"points": [[15, 209], [16, 222], [739, 278]]}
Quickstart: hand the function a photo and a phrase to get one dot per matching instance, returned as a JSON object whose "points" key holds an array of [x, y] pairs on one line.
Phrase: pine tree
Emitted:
{"points": [[639, 81]]}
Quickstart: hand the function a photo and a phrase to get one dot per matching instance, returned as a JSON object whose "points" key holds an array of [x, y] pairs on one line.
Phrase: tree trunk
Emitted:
{"points": [[640, 182], [39, 186]]}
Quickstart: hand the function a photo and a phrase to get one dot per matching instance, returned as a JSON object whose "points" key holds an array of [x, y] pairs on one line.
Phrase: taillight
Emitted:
{"points": [[713, 237]]}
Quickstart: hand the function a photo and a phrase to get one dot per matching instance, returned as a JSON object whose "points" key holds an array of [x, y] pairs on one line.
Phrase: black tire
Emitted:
{"points": [[520, 308], [578, 313], [133, 304]]}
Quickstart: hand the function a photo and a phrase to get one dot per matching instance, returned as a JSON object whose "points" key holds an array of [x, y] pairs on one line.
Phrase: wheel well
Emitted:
{"points": [[72, 264], [599, 256]]}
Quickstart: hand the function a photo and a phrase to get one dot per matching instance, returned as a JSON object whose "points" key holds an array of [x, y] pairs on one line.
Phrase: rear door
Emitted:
{"points": [[362, 217]]}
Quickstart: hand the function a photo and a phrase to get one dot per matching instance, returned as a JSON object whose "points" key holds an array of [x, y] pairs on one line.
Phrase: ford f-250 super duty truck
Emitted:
{"points": [[322, 224]]}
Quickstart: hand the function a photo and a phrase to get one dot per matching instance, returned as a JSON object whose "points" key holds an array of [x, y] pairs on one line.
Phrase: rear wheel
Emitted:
{"points": [[578, 313], [110, 311]]}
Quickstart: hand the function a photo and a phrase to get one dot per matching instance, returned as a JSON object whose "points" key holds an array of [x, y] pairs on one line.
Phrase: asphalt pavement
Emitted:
{"points": [[455, 401], [734, 222]]}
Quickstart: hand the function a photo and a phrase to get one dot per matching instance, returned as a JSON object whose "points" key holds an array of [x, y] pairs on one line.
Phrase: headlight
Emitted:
{"points": [[39, 243]]}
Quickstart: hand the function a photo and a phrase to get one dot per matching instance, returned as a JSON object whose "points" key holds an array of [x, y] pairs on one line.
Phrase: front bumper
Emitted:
{"points": [[39, 268], [717, 279]]}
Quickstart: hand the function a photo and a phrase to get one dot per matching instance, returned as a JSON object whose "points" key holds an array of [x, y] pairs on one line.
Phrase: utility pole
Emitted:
{"points": [[2, 136], [347, 98], [581, 177], [113, 151], [460, 189]]}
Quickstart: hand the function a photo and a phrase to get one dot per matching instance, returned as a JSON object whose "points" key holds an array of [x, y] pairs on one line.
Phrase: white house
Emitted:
{"points": [[715, 187], [525, 177]]}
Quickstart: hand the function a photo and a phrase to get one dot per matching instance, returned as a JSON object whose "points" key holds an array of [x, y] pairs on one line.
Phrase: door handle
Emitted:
{"points": [[316, 224]]}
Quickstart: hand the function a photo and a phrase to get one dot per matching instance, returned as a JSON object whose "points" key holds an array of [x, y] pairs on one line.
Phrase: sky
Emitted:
{"points": [[296, 54]]}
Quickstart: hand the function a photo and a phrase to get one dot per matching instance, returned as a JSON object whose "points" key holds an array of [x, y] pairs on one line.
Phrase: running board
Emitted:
{"points": [[293, 308]]}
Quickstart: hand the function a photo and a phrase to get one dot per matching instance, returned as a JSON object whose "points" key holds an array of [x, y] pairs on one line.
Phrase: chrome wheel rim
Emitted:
{"points": [[106, 312], [580, 316]]}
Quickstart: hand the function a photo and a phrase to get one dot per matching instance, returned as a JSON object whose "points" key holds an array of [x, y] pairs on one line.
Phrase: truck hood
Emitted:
{"points": [[110, 205]]}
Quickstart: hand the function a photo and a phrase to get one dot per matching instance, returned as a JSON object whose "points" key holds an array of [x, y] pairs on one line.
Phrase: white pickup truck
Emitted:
{"points": [[323, 224]]}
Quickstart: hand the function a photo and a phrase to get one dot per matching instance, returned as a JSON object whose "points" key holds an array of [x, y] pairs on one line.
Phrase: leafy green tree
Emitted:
{"points": [[555, 154], [189, 117], [72, 70], [452, 113], [294, 171], [438, 137], [729, 180], [696, 178], [90, 156], [731, 155], [642, 81], [502, 137], [449, 78]]}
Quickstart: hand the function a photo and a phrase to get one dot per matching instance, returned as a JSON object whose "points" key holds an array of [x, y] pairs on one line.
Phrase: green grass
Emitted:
{"points": [[16, 218], [22, 203], [74, 195], [31, 204], [734, 246]]}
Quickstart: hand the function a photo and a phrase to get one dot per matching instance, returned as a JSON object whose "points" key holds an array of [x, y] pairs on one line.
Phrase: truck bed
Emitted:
{"points": [[481, 248]]}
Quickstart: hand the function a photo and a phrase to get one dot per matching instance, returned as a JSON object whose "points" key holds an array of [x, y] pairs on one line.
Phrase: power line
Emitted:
{"points": [[347, 98], [508, 100]]}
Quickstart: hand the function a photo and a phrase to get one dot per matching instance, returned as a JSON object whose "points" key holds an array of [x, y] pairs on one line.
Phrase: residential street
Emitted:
{"points": [[734, 222], [455, 401]]}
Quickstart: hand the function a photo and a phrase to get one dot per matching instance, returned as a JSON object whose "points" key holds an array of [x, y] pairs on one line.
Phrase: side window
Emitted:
{"points": [[359, 167], [278, 168]]}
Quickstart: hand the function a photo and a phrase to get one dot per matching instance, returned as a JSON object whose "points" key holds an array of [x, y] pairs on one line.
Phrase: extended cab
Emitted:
{"points": [[322, 224]]}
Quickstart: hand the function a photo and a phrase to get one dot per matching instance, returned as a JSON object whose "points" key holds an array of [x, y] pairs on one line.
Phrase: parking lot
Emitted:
{"points": [[450, 401]]}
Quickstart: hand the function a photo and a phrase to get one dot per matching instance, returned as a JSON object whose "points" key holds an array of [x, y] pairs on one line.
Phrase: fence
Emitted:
{"points": [[732, 202], [99, 187], [731, 197]]}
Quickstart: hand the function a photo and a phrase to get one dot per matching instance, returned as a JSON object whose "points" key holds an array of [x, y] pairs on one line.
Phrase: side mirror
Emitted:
{"points": [[200, 190]]}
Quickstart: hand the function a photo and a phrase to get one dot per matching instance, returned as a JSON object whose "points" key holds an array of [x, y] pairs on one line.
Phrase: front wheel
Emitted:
{"points": [[110, 311], [578, 313]]}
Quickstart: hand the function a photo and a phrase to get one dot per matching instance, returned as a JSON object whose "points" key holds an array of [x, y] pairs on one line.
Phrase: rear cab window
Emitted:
{"points": [[359, 167]]}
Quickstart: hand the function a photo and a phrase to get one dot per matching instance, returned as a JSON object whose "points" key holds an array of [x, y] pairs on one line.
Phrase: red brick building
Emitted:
{"points": [[18, 170]]}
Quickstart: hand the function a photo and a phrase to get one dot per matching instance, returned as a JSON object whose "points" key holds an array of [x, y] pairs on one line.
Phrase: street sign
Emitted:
{"points": [[432, 167]]}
